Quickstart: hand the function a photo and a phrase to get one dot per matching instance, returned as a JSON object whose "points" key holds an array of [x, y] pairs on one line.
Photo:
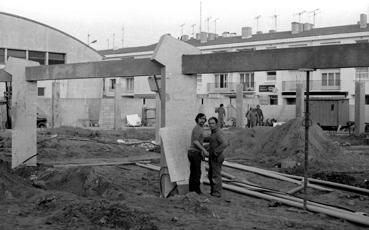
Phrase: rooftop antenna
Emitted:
{"points": [[200, 16], [107, 42], [182, 28], [88, 39], [300, 15], [215, 25], [122, 36], [113, 40], [257, 22], [314, 12], [207, 22], [193, 30], [275, 21]]}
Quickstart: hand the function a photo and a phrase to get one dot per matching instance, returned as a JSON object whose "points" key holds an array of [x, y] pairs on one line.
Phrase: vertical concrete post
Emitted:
{"points": [[359, 107], [178, 109], [239, 106], [299, 100], [24, 109], [55, 104], [117, 105]]}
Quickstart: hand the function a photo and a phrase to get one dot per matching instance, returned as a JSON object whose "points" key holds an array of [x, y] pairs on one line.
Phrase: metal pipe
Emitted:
{"points": [[306, 137]]}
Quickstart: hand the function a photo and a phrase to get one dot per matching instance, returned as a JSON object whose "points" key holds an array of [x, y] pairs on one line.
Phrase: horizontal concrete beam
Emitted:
{"points": [[314, 57], [5, 76], [102, 69]]}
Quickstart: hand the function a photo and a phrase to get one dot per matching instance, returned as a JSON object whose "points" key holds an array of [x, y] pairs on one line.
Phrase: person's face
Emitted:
{"points": [[202, 121], [212, 124]]}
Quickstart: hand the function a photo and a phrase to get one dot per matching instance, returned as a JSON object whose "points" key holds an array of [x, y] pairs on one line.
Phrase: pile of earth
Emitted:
{"points": [[270, 147], [13, 186]]}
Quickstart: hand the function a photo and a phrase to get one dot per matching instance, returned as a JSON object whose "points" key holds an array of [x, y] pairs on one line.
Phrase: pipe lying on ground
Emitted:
{"points": [[271, 174], [331, 184], [343, 214], [292, 201]]}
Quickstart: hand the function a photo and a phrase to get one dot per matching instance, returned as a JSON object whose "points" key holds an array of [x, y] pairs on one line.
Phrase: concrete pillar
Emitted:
{"points": [[359, 107], [55, 104], [178, 110], [239, 107], [24, 109], [299, 100], [118, 124]]}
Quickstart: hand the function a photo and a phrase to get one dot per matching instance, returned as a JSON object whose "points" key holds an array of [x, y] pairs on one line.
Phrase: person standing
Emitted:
{"points": [[260, 120], [221, 115], [252, 117], [217, 144], [197, 153]]}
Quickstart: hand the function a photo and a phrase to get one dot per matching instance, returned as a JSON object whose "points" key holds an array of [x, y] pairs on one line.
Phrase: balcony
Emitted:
{"points": [[230, 87], [315, 85]]}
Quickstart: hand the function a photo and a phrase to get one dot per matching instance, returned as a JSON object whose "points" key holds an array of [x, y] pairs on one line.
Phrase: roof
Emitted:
{"points": [[50, 27], [255, 37]]}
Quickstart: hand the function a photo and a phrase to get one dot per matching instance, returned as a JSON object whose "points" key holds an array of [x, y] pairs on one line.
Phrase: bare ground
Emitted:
{"points": [[127, 196]]}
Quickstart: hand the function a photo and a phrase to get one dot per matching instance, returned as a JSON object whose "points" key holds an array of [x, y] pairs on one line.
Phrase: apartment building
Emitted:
{"points": [[271, 87]]}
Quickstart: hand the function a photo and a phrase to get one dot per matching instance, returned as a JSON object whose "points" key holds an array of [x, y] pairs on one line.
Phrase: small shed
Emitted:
{"points": [[330, 112]]}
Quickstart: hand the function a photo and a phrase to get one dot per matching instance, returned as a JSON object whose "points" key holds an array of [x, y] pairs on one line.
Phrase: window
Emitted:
{"points": [[2, 56], [56, 58], [362, 73], [221, 80], [199, 81], [297, 45], [112, 84], [330, 79], [130, 84], [291, 101], [37, 56], [248, 81], [16, 53], [41, 91], [271, 76], [273, 99], [367, 99], [330, 43], [362, 41]]}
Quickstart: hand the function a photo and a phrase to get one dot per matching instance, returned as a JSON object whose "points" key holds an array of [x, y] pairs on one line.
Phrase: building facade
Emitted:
{"points": [[271, 88]]}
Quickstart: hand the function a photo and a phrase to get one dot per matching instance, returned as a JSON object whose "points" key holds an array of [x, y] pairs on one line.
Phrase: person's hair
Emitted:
{"points": [[221, 105], [213, 118], [198, 116], [258, 106]]}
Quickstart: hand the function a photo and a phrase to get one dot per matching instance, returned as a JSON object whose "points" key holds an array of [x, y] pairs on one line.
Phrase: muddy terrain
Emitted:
{"points": [[59, 194]]}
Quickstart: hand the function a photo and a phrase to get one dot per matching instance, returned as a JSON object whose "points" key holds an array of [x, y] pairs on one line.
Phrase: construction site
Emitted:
{"points": [[291, 176]]}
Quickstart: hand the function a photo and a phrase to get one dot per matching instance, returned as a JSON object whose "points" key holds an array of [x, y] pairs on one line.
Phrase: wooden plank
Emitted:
{"points": [[102, 69], [5, 76], [314, 57]]}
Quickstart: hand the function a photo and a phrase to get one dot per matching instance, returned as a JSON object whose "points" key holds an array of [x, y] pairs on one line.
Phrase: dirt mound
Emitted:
{"points": [[13, 186], [102, 213], [82, 181], [285, 143]]}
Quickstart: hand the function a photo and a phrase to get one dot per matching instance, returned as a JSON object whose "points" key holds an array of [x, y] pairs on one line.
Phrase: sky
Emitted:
{"points": [[127, 23]]}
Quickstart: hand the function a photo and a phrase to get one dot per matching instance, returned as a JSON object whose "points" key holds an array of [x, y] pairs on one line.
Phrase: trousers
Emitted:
{"points": [[214, 174], [195, 158]]}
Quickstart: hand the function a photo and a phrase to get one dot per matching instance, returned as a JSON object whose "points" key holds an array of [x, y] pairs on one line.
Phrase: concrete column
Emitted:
{"points": [[239, 107], [359, 107], [299, 100], [24, 108], [55, 104], [178, 110], [118, 124]]}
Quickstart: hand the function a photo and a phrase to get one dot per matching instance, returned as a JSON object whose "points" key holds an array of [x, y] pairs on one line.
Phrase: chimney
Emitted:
{"points": [[295, 27], [246, 32], [308, 26], [259, 32], [185, 37], [272, 31], [363, 21], [203, 37], [232, 34], [301, 27]]}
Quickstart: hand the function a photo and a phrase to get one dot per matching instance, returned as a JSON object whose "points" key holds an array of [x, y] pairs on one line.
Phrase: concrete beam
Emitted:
{"points": [[359, 107], [24, 145], [299, 100], [314, 57], [102, 69], [5, 76]]}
